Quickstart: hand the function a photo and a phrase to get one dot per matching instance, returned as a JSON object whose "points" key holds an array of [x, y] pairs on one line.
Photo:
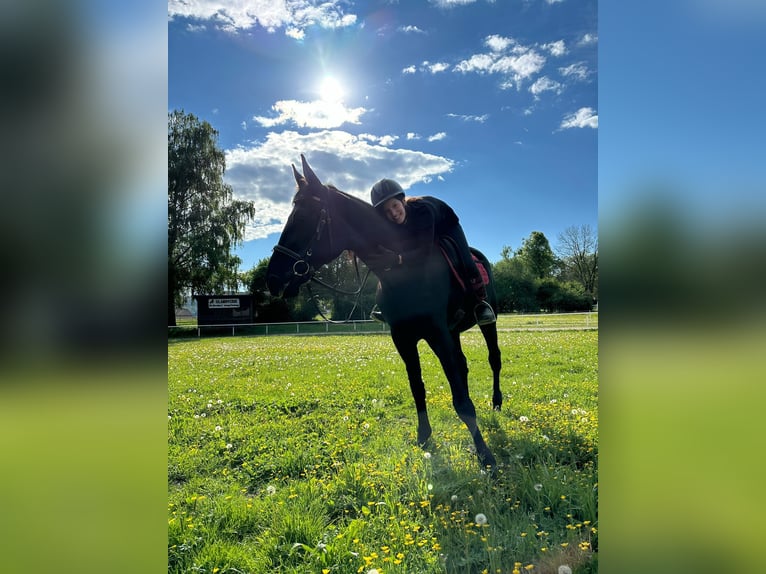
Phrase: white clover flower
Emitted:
{"points": [[229, 445], [523, 419], [564, 569], [538, 487], [480, 519]]}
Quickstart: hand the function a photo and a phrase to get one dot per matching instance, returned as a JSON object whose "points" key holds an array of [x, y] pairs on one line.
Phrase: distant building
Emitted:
{"points": [[224, 309]]}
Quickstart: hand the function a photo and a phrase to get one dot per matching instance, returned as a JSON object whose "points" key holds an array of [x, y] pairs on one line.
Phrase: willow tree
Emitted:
{"points": [[204, 220]]}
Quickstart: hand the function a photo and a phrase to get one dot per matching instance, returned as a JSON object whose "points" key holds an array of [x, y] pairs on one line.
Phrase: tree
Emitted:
{"points": [[204, 222], [535, 252], [578, 250], [515, 286]]}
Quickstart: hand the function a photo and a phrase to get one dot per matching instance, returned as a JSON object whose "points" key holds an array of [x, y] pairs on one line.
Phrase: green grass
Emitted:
{"points": [[297, 454]]}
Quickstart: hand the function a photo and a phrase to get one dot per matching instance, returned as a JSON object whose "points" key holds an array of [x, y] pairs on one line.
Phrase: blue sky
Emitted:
{"points": [[490, 106]]}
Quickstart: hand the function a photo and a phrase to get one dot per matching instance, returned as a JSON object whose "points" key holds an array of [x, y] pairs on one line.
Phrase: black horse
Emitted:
{"points": [[418, 302]]}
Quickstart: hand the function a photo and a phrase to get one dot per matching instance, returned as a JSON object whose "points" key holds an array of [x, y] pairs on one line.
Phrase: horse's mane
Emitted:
{"points": [[368, 226]]}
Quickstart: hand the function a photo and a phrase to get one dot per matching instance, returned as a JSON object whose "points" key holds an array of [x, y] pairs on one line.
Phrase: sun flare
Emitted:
{"points": [[331, 89]]}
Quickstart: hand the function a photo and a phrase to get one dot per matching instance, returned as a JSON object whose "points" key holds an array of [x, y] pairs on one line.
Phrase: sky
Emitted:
{"points": [[492, 106]]}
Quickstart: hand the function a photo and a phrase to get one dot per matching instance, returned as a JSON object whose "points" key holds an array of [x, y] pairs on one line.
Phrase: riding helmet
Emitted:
{"points": [[384, 190]]}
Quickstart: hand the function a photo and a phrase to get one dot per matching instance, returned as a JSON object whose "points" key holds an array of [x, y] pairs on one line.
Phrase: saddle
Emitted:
{"points": [[449, 251]]}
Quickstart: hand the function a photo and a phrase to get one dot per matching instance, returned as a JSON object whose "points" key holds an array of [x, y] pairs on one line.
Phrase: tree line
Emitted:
{"points": [[205, 223]]}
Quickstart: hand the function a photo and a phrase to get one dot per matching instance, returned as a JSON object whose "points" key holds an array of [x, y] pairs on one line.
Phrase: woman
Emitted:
{"points": [[426, 220]]}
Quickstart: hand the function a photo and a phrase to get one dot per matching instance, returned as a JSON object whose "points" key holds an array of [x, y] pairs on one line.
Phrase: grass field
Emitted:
{"points": [[297, 454]]}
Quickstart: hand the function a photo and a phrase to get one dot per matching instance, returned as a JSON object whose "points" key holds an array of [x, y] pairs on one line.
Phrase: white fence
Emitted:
{"points": [[505, 322]]}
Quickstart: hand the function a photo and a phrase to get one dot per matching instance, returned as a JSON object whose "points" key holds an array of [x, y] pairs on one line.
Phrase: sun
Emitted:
{"points": [[331, 89]]}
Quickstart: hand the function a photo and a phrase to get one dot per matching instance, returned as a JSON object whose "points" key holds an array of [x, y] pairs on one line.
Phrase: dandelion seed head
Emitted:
{"points": [[217, 427], [480, 519], [270, 489], [229, 445], [538, 487], [523, 419], [454, 498], [564, 569], [426, 455]]}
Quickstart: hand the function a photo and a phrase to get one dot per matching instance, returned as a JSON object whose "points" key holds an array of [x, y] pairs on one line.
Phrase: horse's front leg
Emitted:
{"points": [[407, 347]]}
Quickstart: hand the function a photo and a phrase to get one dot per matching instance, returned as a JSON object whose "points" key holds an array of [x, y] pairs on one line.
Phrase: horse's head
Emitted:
{"points": [[304, 244]]}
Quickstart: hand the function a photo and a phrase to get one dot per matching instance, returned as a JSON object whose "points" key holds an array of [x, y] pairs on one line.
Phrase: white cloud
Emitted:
{"points": [[409, 70], [578, 71], [436, 68], [262, 174], [545, 84], [477, 63], [294, 16], [520, 64], [582, 118], [479, 119], [385, 140], [451, 3], [557, 48], [587, 39], [412, 136], [498, 43], [410, 30], [437, 137], [320, 114]]}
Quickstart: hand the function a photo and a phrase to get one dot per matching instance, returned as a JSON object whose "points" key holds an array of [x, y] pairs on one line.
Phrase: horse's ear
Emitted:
{"points": [[308, 173], [298, 177]]}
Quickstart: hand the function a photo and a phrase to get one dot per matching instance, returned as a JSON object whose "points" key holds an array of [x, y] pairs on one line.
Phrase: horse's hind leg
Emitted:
{"points": [[495, 363], [408, 351]]}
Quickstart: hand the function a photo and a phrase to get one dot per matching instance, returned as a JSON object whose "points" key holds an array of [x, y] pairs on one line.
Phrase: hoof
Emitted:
{"points": [[424, 439], [487, 459]]}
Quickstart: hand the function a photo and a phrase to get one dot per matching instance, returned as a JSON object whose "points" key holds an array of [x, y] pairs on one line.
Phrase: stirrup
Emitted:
{"points": [[484, 314], [377, 314]]}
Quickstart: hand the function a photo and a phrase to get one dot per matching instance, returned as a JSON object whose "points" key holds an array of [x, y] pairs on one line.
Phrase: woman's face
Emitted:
{"points": [[395, 211]]}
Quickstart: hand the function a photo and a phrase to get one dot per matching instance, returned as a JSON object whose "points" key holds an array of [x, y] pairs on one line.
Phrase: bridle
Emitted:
{"points": [[301, 261], [301, 265]]}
